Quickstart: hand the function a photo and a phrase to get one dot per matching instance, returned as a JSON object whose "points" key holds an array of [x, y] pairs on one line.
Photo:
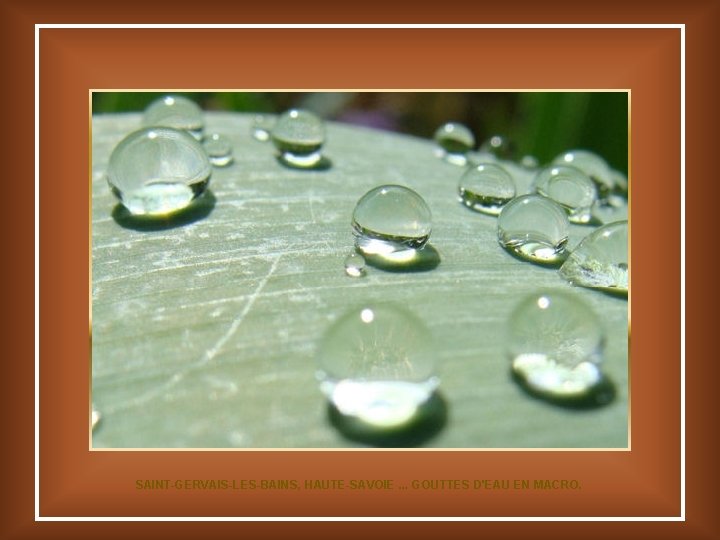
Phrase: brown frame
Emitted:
{"points": [[645, 481]]}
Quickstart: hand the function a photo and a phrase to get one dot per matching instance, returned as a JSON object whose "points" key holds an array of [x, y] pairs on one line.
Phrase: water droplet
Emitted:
{"points": [[299, 135], [592, 165], [261, 127], [570, 187], [389, 219], [529, 162], [555, 344], [454, 142], [601, 259], [219, 149], [486, 187], [499, 146], [158, 171], [611, 209], [534, 228], [355, 265], [377, 363], [95, 418], [175, 112], [621, 182]]}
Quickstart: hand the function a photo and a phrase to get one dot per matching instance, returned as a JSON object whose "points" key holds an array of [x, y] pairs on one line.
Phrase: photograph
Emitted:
{"points": [[349, 275], [314, 269]]}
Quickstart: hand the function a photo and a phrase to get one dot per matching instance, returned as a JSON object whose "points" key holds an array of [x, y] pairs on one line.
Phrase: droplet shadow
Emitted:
{"points": [[600, 395], [199, 209], [428, 421], [323, 164], [410, 260]]}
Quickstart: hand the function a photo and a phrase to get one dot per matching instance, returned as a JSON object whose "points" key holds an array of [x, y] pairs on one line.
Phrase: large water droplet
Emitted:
{"points": [[592, 165], [219, 149], [534, 228], [486, 187], [299, 135], [389, 219], [454, 142], [571, 188], [355, 265], [601, 259], [555, 343], [158, 171], [175, 112], [377, 363]]}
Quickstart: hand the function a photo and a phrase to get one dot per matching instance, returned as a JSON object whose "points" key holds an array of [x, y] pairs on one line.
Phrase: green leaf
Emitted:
{"points": [[204, 328]]}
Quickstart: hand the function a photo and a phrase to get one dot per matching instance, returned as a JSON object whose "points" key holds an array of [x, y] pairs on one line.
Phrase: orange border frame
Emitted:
{"points": [[401, 46], [642, 482]]}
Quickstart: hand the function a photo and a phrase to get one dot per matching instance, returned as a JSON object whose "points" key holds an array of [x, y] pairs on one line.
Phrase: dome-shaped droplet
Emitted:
{"points": [[611, 209], [377, 363], [555, 343], [601, 259], [261, 127], [391, 218], [158, 171], [454, 142], [219, 149], [620, 180], [529, 162], [299, 136], [486, 187], [534, 228], [355, 265], [499, 146], [592, 165], [571, 188], [175, 112]]}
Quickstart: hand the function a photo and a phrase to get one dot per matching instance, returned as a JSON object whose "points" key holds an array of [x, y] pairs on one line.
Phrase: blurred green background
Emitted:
{"points": [[541, 124]]}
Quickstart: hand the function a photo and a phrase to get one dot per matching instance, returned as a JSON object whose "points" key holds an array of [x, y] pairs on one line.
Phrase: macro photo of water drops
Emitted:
{"points": [[326, 270]]}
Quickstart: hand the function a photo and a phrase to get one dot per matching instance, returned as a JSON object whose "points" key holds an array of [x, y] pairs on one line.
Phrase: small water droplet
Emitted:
{"points": [[571, 188], [534, 228], [261, 127], [158, 171], [377, 364], [499, 146], [299, 136], [390, 219], [621, 182], [611, 209], [454, 141], [601, 259], [555, 344], [486, 187], [592, 165], [175, 112], [355, 265], [219, 149], [95, 418], [530, 162]]}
